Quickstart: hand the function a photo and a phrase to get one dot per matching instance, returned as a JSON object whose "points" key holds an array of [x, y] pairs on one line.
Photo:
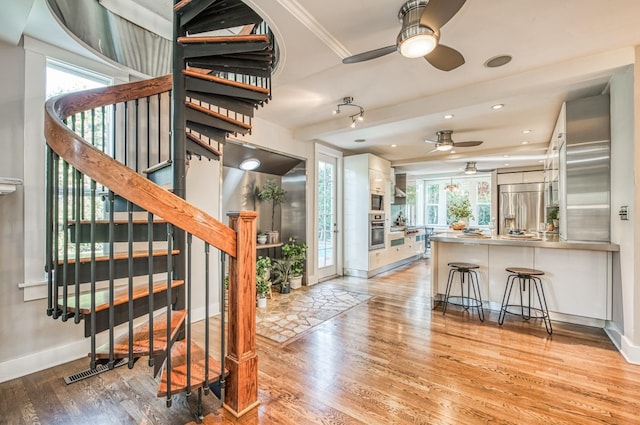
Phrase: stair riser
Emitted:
{"points": [[195, 149], [193, 10], [197, 116], [233, 16], [121, 232], [198, 50], [224, 65], [162, 176], [211, 132], [199, 85], [140, 308], [230, 103], [121, 269]]}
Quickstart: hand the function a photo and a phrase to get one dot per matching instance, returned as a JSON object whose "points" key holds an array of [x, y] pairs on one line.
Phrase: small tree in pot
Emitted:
{"points": [[296, 253], [271, 191]]}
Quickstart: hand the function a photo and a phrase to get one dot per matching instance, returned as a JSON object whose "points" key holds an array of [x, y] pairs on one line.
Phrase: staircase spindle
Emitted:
{"points": [[188, 327], [223, 300], [78, 183], [93, 274], [50, 229], [125, 140], [148, 99], [160, 127], [169, 280], [56, 232], [137, 134], [112, 316], [130, 281], [150, 239], [65, 238], [206, 318]]}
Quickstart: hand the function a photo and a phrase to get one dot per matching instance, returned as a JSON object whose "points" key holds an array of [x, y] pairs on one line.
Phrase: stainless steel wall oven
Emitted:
{"points": [[376, 231]]}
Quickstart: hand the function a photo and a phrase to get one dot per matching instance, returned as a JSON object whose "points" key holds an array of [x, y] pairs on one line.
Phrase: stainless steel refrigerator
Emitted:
{"points": [[521, 206]]}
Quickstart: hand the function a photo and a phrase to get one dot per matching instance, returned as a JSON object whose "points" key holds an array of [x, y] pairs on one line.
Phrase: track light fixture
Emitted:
{"points": [[358, 116]]}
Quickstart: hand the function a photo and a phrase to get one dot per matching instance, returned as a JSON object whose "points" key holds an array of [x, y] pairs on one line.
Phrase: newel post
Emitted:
{"points": [[242, 360]]}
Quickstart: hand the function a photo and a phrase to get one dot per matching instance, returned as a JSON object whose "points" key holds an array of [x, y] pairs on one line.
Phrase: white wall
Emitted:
{"points": [[622, 328]]}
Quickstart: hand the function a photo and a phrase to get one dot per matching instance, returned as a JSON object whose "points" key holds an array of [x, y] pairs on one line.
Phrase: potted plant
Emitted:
{"points": [[281, 268], [458, 211], [262, 238], [263, 286], [263, 267], [297, 253], [552, 216], [271, 191]]}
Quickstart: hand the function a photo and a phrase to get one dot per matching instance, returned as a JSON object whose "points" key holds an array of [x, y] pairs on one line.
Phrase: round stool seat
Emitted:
{"points": [[464, 266], [524, 271]]}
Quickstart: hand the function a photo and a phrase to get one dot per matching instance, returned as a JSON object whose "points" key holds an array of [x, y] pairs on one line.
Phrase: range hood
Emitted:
{"points": [[270, 162]]}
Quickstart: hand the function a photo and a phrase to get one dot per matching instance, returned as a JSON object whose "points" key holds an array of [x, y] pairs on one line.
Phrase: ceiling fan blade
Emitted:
{"points": [[371, 54], [467, 144], [430, 141], [445, 58], [438, 12]]}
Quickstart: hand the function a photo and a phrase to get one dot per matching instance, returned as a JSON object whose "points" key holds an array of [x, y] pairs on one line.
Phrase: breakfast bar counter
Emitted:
{"points": [[577, 280]]}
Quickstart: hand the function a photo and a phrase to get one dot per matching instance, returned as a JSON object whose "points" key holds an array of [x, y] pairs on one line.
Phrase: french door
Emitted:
{"points": [[327, 216]]}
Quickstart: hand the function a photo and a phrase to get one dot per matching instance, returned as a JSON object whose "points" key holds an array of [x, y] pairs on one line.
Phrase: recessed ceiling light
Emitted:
{"points": [[497, 61], [526, 131], [497, 106], [541, 160], [250, 164], [360, 140], [506, 163], [452, 151], [448, 116], [394, 145], [525, 142], [505, 156]]}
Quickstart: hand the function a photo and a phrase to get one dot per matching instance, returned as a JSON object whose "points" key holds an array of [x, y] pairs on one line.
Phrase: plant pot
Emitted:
{"points": [[262, 239], [262, 301], [273, 236], [285, 288], [295, 281], [555, 223]]}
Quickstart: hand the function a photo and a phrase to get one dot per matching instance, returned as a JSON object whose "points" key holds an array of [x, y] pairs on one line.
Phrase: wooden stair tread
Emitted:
{"points": [[121, 256], [214, 114], [120, 296], [246, 38], [141, 337], [219, 80], [181, 4], [202, 143], [179, 369]]}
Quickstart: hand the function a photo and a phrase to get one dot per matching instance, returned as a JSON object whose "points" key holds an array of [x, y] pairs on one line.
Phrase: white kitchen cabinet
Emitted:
{"points": [[536, 176]]}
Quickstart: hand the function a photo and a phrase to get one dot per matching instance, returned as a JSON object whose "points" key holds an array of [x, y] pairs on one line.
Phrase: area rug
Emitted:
{"points": [[289, 315]]}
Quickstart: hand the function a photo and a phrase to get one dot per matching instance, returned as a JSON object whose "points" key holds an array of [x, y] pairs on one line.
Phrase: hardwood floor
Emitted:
{"points": [[391, 360]]}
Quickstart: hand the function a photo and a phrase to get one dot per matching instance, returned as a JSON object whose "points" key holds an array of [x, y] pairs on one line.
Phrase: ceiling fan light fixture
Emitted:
{"points": [[443, 147], [470, 168], [416, 41]]}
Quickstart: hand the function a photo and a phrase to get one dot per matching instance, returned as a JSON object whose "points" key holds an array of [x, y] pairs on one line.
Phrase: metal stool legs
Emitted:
{"points": [[525, 310], [470, 277]]}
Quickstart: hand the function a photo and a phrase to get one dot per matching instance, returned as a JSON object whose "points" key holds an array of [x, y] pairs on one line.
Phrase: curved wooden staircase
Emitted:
{"points": [[120, 235]]}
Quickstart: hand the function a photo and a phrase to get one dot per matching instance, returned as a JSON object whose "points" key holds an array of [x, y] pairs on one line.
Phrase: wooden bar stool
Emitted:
{"points": [[467, 272], [525, 277]]}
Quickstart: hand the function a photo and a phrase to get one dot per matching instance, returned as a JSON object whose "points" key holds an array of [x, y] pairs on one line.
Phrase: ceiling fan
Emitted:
{"points": [[420, 34], [444, 142]]}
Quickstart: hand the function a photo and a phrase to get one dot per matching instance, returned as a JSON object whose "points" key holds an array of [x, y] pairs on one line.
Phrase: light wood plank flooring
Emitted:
{"points": [[391, 360]]}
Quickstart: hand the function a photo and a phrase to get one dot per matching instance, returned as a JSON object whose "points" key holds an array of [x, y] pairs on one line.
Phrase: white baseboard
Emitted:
{"points": [[45, 359]]}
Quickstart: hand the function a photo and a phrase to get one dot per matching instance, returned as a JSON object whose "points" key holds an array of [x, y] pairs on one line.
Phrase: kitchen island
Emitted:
{"points": [[577, 280]]}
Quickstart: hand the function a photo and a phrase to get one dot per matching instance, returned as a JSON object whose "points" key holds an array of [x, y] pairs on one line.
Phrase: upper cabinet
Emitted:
{"points": [[521, 177]]}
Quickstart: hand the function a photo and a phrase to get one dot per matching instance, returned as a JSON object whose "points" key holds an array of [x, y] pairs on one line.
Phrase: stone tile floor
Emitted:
{"points": [[289, 315]]}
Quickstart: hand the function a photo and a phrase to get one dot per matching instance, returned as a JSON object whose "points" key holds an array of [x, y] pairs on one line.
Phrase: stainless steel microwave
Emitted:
{"points": [[377, 202]]}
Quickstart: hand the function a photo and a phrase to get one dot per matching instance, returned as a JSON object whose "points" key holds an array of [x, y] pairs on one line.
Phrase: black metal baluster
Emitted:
{"points": [[77, 219], [112, 317], [65, 237], [93, 274], [49, 229], [126, 134], [169, 282], [148, 131], [55, 232], [114, 132], [137, 135], [206, 318], [159, 128], [170, 123], [188, 336], [130, 280], [223, 343], [150, 270]]}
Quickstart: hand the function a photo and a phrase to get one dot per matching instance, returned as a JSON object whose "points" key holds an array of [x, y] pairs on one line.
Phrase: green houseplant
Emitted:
{"points": [[281, 269], [272, 192], [263, 284], [458, 209], [552, 216], [297, 254]]}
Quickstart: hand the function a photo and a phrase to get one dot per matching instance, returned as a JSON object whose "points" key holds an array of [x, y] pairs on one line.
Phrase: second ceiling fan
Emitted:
{"points": [[444, 142], [420, 35]]}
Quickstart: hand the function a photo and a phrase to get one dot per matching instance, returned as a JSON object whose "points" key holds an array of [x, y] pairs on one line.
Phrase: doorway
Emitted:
{"points": [[327, 215]]}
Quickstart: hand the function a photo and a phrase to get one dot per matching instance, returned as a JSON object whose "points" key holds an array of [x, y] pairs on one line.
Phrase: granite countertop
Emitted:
{"points": [[552, 241]]}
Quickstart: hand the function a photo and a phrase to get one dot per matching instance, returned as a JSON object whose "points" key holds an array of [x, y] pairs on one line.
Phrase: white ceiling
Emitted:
{"points": [[561, 50]]}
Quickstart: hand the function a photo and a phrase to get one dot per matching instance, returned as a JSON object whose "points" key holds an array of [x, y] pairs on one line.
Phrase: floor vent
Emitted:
{"points": [[92, 372]]}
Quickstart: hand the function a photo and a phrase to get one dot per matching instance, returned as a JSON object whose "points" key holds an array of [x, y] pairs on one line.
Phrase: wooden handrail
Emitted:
{"points": [[119, 178]]}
